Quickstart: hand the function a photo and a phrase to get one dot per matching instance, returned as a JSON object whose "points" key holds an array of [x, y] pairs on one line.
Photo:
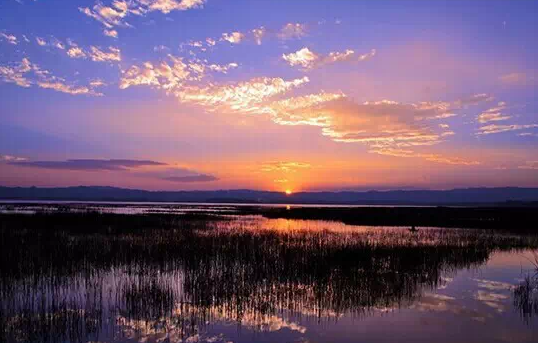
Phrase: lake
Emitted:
{"points": [[143, 274]]}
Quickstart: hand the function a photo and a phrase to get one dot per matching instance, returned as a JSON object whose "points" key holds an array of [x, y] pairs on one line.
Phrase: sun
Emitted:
{"points": [[288, 192]]}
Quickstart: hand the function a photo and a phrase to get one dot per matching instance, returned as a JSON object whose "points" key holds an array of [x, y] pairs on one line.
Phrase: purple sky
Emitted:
{"points": [[296, 95]]}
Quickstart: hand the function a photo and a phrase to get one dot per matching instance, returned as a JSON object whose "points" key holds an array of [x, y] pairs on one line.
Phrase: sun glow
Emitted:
{"points": [[288, 192]]}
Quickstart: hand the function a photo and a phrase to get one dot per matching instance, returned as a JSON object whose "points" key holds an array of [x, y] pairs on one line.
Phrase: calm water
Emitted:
{"points": [[250, 279]]}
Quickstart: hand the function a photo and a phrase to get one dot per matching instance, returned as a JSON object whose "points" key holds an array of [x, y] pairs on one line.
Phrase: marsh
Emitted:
{"points": [[75, 274]]}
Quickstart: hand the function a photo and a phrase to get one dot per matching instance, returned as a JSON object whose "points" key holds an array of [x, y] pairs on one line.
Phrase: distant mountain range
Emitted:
{"points": [[467, 196]]}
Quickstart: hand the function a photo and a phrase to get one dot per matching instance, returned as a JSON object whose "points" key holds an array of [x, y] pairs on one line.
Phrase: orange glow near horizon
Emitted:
{"points": [[288, 192]]}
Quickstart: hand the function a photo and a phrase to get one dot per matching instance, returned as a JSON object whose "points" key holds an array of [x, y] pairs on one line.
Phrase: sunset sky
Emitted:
{"points": [[272, 95]]}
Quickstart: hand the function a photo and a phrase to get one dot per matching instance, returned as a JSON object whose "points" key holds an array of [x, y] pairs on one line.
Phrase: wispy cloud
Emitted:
{"points": [[493, 114], [519, 79], [98, 55], [25, 74], [115, 14], [307, 59], [292, 31], [11, 158], [88, 164], [474, 99], [532, 165], [11, 39], [248, 96], [426, 156], [191, 178], [258, 34], [76, 52], [170, 75], [494, 128], [284, 166], [233, 37], [110, 33]]}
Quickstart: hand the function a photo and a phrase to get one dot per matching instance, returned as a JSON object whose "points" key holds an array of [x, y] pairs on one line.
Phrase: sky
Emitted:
{"points": [[268, 95]]}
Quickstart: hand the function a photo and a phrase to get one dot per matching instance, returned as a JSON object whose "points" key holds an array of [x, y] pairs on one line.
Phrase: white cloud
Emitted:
{"points": [[11, 39], [97, 83], [115, 14], [65, 88], [233, 37], [308, 59], [292, 31], [304, 58], [40, 41], [247, 97], [258, 34], [25, 74], [493, 128], [493, 114], [110, 33], [76, 52], [162, 75], [171, 75], [112, 55]]}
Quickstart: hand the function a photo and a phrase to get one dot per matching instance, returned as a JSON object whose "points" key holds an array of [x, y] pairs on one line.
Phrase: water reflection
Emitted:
{"points": [[79, 278]]}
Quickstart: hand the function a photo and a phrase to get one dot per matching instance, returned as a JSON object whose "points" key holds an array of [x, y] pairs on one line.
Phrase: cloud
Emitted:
{"points": [[233, 37], [246, 97], [53, 42], [473, 100], [258, 34], [494, 128], [11, 158], [518, 79], [174, 173], [292, 31], [11, 39], [112, 55], [97, 83], [25, 74], [528, 134], [191, 178], [426, 156], [110, 33], [76, 52], [115, 14], [161, 75], [284, 166], [16, 74], [88, 164], [308, 59], [379, 123], [40, 41], [386, 127], [493, 114], [65, 88], [531, 165]]}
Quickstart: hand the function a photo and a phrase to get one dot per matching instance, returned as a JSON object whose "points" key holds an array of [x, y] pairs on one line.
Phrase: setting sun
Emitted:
{"points": [[288, 192]]}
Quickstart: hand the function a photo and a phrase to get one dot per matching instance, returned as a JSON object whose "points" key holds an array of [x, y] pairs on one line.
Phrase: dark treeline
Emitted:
{"points": [[79, 277], [502, 196]]}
